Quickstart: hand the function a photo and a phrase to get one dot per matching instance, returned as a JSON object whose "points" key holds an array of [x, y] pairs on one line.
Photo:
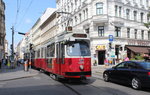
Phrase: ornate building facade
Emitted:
{"points": [[2, 29], [116, 27]]}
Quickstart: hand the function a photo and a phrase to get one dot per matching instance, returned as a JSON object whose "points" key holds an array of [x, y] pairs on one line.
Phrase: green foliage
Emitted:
{"points": [[147, 25], [139, 57], [132, 59]]}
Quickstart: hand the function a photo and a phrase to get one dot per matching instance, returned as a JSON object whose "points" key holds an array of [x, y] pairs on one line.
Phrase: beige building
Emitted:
{"points": [[2, 29], [41, 32]]}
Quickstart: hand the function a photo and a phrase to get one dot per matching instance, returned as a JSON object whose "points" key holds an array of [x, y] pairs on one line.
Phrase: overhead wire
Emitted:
{"points": [[27, 9], [18, 10]]}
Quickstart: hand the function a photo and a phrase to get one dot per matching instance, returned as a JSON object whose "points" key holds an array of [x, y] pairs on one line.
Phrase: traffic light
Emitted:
{"points": [[31, 46], [11, 46], [110, 45]]}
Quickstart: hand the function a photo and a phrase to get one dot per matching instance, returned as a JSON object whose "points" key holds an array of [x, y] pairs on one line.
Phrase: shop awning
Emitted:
{"points": [[139, 49]]}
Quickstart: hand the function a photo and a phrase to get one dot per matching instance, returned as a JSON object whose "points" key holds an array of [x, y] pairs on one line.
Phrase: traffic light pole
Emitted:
{"points": [[12, 61]]}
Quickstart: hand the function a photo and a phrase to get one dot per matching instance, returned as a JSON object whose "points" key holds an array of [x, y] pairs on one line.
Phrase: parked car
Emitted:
{"points": [[136, 74]]}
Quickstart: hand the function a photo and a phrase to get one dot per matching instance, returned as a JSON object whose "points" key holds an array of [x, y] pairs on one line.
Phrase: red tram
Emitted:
{"points": [[65, 56]]}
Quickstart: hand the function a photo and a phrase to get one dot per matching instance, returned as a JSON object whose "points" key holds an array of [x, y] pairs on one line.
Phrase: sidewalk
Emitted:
{"points": [[17, 73], [100, 68], [97, 71]]}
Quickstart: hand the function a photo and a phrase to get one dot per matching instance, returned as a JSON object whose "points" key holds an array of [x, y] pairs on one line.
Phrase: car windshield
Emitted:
{"points": [[145, 65], [79, 48]]}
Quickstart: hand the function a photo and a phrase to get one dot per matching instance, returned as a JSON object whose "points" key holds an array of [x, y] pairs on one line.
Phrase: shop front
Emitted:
{"points": [[101, 51], [138, 47]]}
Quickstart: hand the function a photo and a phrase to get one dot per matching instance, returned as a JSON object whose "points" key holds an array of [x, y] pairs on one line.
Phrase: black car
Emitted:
{"points": [[136, 74]]}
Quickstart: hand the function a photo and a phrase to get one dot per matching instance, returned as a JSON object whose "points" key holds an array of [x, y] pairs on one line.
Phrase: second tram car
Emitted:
{"points": [[65, 56]]}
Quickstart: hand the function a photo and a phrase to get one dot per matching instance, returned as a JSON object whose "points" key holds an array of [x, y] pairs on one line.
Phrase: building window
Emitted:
{"points": [[75, 4], [86, 13], [80, 2], [141, 2], [99, 8], [75, 20], [148, 18], [147, 3], [135, 33], [142, 14], [135, 15], [120, 8], [128, 13], [128, 32], [148, 35], [142, 34], [116, 10], [80, 18], [117, 31], [101, 31]]}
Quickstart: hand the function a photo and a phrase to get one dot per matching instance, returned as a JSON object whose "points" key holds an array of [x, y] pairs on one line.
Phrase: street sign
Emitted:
{"points": [[111, 38], [112, 54]]}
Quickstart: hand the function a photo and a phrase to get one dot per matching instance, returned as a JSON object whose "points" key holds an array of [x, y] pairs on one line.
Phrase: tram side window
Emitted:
{"points": [[51, 50], [42, 53], [38, 53]]}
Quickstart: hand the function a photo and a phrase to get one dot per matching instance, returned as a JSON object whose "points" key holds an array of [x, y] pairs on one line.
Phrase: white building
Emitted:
{"points": [[121, 19]]}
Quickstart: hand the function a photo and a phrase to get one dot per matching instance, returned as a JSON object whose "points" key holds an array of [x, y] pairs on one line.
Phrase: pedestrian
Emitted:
{"points": [[126, 58], [95, 60], [8, 64], [4, 61], [106, 62], [26, 65]]}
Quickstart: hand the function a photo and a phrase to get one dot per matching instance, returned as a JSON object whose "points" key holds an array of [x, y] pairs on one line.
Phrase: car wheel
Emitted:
{"points": [[135, 83], [106, 77]]}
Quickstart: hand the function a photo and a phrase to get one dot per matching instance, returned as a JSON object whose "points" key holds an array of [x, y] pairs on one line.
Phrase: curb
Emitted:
{"points": [[19, 77]]}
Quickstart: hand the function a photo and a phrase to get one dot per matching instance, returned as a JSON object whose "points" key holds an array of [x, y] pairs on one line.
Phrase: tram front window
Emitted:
{"points": [[78, 49]]}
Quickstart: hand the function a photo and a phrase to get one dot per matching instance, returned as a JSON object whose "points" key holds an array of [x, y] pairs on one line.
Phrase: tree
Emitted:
{"points": [[147, 25]]}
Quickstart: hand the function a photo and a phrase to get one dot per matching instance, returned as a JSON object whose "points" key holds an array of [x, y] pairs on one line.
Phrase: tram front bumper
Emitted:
{"points": [[78, 73]]}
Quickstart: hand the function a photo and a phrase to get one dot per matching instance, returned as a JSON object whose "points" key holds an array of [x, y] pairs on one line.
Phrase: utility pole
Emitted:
{"points": [[12, 44]]}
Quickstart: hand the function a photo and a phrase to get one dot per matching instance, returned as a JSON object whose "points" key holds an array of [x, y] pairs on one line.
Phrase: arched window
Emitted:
{"points": [[142, 15]]}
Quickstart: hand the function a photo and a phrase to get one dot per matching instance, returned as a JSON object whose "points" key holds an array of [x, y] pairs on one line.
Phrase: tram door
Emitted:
{"points": [[59, 56]]}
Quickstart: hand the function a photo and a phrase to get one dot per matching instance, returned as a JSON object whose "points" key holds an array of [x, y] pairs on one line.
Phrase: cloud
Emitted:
{"points": [[28, 21]]}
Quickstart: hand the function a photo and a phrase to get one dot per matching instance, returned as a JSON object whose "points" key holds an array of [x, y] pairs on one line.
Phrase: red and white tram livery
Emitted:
{"points": [[65, 56]]}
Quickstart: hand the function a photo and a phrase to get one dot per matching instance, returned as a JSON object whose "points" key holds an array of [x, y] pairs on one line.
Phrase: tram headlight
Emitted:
{"points": [[81, 67]]}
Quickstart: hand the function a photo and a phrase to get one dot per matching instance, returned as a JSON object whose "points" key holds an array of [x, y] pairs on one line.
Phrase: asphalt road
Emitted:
{"points": [[44, 85]]}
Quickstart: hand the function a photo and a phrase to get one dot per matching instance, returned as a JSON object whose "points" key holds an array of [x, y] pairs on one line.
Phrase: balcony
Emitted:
{"points": [[100, 19]]}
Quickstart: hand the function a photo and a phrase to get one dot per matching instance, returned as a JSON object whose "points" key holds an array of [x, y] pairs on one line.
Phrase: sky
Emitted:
{"points": [[22, 14]]}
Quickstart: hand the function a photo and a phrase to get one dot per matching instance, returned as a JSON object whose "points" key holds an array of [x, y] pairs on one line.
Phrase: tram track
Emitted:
{"points": [[72, 88], [69, 87]]}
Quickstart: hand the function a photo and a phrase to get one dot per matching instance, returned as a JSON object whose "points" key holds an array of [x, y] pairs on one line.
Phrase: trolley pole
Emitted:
{"points": [[12, 47]]}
